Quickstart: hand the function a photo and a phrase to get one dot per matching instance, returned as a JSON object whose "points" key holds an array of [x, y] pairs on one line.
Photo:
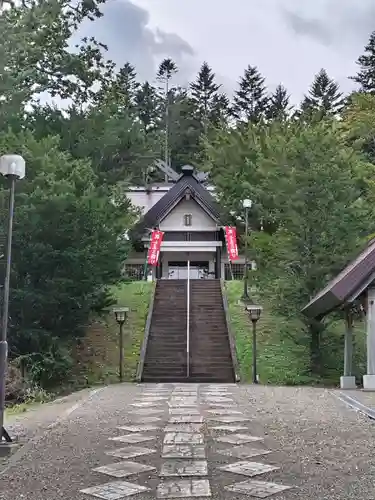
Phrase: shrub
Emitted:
{"points": [[15, 385]]}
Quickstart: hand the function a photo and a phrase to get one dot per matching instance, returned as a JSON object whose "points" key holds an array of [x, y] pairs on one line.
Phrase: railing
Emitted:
{"points": [[231, 338], [188, 322], [146, 336]]}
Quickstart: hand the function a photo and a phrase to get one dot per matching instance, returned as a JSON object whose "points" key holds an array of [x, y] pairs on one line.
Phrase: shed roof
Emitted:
{"points": [[346, 286], [187, 182]]}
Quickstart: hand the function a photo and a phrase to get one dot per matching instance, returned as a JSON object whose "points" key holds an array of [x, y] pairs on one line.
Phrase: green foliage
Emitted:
{"points": [[250, 100], [48, 369], [136, 296], [310, 176], [324, 97], [211, 107], [304, 179], [68, 249], [366, 62], [281, 360], [279, 106]]}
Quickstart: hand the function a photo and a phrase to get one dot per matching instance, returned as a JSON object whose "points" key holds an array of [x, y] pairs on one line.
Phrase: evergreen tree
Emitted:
{"points": [[148, 103], [366, 75], [185, 130], [304, 178], [324, 97], [204, 94], [120, 90], [279, 106], [250, 100], [220, 109]]}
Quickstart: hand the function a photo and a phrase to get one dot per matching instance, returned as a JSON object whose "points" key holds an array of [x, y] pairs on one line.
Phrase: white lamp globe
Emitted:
{"points": [[12, 165]]}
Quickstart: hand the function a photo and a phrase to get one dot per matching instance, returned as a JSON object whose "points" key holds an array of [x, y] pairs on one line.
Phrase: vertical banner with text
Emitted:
{"points": [[231, 239], [154, 250]]}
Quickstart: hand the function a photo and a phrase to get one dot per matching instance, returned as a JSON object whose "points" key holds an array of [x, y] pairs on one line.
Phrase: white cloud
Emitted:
{"points": [[289, 40]]}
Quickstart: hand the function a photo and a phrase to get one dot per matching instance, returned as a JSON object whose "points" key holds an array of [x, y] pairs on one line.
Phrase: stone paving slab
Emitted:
{"points": [[310, 446]]}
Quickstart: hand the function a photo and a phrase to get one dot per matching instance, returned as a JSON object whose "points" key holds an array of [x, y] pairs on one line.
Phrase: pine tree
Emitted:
{"points": [[324, 97], [122, 89], [250, 100], [279, 107], [220, 109], [204, 94], [147, 103], [366, 75]]}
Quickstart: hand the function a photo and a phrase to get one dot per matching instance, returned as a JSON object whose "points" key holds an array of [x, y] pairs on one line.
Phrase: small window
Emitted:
{"points": [[188, 219]]}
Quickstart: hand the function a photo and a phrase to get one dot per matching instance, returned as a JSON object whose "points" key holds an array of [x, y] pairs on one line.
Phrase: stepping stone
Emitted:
{"points": [[183, 403], [238, 439], [184, 451], [184, 468], [147, 420], [115, 490], [185, 419], [213, 405], [184, 488], [222, 393], [124, 469], [229, 428], [258, 489], [243, 452], [157, 392], [146, 411], [138, 428], [184, 392], [219, 400], [224, 411], [186, 428], [130, 452], [183, 438], [183, 411], [248, 468], [132, 438]]}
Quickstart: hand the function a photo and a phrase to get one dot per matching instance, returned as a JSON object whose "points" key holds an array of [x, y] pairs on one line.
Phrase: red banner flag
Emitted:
{"points": [[231, 239], [154, 250]]}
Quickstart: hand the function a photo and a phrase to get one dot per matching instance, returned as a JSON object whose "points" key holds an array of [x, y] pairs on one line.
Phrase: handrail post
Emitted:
{"points": [[188, 322]]}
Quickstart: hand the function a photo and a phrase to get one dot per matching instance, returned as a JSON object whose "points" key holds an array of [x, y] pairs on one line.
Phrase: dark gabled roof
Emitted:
{"points": [[346, 286], [186, 182]]}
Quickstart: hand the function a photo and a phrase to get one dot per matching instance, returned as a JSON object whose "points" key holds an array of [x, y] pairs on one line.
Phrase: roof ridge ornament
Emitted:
{"points": [[187, 170]]}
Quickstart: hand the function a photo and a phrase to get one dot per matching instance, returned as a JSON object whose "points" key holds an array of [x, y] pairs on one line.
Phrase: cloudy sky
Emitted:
{"points": [[289, 40]]}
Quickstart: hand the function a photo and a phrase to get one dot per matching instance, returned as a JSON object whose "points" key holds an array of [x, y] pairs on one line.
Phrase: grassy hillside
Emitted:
{"points": [[98, 354], [280, 359]]}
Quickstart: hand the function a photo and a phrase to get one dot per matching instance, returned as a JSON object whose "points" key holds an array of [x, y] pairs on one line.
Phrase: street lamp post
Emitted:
{"points": [[254, 313], [247, 204], [12, 167], [121, 315]]}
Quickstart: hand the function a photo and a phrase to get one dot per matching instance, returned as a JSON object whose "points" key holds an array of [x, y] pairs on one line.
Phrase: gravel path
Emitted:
{"points": [[36, 420], [323, 447], [203, 441]]}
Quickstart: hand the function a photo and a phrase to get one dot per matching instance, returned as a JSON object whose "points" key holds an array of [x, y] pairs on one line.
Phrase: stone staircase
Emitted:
{"points": [[210, 356], [166, 359]]}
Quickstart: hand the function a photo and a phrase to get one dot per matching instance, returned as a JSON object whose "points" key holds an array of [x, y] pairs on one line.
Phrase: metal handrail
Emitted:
{"points": [[231, 337], [143, 352], [188, 321]]}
